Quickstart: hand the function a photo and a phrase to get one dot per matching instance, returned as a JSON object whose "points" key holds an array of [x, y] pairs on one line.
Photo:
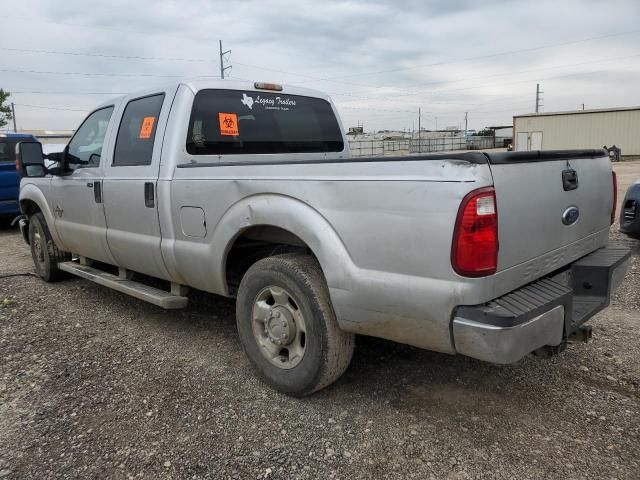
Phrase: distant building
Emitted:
{"points": [[355, 131], [579, 129]]}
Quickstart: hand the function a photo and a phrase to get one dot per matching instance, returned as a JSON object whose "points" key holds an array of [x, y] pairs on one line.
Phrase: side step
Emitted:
{"points": [[153, 295]]}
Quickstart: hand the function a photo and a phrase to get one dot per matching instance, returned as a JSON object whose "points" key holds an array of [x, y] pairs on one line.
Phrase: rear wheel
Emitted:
{"points": [[44, 251], [287, 325]]}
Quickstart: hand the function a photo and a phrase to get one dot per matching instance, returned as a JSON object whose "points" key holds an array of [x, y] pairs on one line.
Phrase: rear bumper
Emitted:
{"points": [[543, 313]]}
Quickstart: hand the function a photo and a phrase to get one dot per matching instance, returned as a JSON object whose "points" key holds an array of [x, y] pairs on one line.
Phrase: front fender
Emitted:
{"points": [[33, 193]]}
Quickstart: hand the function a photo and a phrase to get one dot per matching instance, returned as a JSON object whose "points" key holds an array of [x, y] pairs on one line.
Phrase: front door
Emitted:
{"points": [[77, 196], [130, 194]]}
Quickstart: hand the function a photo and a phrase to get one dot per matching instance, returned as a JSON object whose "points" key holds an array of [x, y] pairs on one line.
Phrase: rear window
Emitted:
{"points": [[8, 148], [246, 122], [137, 132]]}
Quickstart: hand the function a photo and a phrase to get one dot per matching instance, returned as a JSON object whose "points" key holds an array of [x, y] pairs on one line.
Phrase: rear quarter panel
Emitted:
{"points": [[382, 233]]}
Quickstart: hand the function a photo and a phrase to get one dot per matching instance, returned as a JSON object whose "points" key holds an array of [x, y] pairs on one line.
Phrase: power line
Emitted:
{"points": [[490, 55], [89, 74], [439, 82], [103, 55], [52, 108]]}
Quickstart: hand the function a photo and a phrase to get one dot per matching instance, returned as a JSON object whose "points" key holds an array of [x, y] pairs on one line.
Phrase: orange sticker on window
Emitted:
{"points": [[228, 124], [147, 127]]}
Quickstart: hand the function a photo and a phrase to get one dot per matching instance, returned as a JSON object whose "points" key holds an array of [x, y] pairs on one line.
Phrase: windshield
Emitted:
{"points": [[248, 122]]}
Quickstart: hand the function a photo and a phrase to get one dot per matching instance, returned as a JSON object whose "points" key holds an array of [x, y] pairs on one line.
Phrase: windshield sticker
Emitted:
{"points": [[228, 124], [146, 128], [268, 103]]}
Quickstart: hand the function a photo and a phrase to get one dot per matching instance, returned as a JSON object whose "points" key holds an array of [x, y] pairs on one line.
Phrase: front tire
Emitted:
{"points": [[287, 325], [44, 251]]}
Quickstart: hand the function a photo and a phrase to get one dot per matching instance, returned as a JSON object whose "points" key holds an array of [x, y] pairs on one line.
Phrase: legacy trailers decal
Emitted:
{"points": [[268, 103]]}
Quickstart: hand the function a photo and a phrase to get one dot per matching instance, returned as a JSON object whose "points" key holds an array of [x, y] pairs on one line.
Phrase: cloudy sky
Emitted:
{"points": [[379, 60]]}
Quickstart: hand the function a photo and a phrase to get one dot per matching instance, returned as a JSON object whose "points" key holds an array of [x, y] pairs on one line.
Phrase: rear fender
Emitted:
{"points": [[294, 216]]}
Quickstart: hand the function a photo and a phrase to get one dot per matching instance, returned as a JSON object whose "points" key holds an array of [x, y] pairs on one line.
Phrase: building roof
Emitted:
{"points": [[574, 112]]}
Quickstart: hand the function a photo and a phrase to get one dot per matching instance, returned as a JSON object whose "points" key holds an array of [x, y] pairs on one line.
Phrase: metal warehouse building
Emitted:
{"points": [[579, 129]]}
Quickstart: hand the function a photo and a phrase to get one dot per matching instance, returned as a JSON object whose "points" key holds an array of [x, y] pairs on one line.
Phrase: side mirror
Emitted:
{"points": [[31, 159]]}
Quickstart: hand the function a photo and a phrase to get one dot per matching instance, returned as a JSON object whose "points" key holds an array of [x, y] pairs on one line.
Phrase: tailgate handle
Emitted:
{"points": [[569, 179], [149, 200]]}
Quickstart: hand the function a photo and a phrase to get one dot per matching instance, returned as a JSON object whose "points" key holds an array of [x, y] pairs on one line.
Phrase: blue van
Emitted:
{"points": [[9, 176]]}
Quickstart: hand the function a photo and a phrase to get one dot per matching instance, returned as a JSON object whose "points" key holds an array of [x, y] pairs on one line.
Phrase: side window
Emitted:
{"points": [[85, 147], [134, 144]]}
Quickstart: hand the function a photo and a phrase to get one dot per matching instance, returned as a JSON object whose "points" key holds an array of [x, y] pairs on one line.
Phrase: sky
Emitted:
{"points": [[379, 60]]}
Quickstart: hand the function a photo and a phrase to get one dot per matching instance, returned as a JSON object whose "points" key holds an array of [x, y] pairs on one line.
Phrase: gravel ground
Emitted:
{"points": [[94, 384]]}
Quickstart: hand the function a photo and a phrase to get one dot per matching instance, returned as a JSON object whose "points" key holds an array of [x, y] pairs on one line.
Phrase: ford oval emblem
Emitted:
{"points": [[570, 215]]}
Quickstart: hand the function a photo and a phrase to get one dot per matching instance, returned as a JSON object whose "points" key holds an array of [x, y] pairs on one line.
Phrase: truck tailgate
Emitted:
{"points": [[541, 209]]}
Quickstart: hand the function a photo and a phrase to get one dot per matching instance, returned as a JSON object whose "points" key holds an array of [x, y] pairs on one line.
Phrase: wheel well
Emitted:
{"points": [[256, 243], [29, 207]]}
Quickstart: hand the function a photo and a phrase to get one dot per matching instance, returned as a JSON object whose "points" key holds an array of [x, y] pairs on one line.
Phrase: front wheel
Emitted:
{"points": [[44, 251], [287, 325]]}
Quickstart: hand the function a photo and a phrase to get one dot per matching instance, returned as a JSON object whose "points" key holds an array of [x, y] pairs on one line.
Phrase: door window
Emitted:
{"points": [[134, 144], [85, 147]]}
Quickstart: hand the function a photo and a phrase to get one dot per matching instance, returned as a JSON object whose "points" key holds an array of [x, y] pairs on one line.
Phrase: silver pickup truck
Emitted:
{"points": [[249, 190]]}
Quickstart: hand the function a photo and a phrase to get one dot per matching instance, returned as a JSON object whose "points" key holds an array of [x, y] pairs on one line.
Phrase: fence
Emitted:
{"points": [[363, 148]]}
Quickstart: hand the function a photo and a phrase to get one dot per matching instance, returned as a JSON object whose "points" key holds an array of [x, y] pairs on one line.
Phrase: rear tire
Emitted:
{"points": [[287, 325], [44, 251]]}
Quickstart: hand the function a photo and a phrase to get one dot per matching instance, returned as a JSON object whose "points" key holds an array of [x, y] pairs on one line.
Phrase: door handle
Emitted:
{"points": [[149, 197]]}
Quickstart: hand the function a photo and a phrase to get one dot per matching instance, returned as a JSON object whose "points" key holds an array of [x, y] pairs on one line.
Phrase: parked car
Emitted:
{"points": [[630, 213], [249, 190], [9, 176]]}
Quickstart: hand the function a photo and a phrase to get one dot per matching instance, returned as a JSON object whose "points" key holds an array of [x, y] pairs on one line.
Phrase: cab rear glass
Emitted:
{"points": [[227, 122]]}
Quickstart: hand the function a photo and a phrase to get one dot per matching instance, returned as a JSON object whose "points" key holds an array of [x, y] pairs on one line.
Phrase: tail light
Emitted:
{"points": [[615, 196], [474, 252]]}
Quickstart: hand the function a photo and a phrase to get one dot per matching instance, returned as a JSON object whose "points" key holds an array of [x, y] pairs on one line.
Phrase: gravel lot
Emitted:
{"points": [[94, 384]]}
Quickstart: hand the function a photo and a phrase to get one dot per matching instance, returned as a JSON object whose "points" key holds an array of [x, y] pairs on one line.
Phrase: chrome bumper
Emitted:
{"points": [[497, 344], [543, 313]]}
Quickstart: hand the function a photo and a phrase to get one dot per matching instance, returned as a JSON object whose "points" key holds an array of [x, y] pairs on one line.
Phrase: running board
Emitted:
{"points": [[153, 295]]}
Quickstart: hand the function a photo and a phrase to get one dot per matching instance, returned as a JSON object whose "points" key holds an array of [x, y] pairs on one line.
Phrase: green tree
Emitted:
{"points": [[5, 109]]}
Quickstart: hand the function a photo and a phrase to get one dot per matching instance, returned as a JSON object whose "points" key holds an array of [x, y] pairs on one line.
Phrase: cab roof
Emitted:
{"points": [[196, 85]]}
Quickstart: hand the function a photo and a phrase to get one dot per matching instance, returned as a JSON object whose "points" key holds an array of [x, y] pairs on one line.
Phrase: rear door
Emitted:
{"points": [[130, 200], [538, 211]]}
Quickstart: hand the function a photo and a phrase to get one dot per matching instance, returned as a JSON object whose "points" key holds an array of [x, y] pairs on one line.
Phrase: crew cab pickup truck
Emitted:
{"points": [[9, 176], [248, 190]]}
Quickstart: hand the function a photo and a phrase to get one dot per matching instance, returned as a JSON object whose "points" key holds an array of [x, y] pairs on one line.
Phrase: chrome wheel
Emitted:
{"points": [[278, 327]]}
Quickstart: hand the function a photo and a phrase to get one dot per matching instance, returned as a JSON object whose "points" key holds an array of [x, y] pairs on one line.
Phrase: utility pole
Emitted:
{"points": [[13, 114], [466, 118], [419, 131], [538, 98], [436, 124], [583, 106], [222, 67]]}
